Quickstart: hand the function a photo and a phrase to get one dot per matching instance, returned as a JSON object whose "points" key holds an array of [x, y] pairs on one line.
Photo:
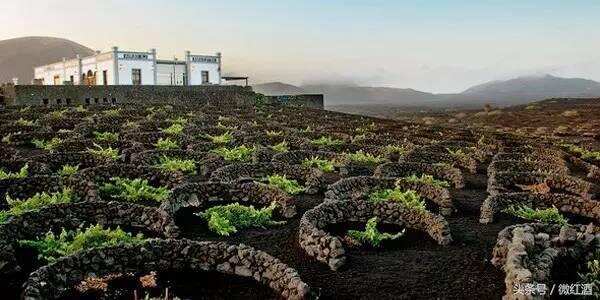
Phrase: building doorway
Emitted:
{"points": [[90, 78]]}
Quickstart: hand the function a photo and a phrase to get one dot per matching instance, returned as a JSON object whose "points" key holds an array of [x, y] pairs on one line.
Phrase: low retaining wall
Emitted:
{"points": [[403, 169], [165, 255], [565, 203], [329, 249], [200, 195], [307, 100], [360, 187], [87, 183], [503, 182], [527, 252], [309, 177], [34, 224], [81, 95]]}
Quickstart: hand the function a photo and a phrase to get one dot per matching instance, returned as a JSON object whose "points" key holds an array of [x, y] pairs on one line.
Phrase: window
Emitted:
{"points": [[204, 77], [46, 101], [105, 77], [87, 101], [68, 101], [136, 76], [58, 101], [96, 100], [104, 100], [72, 79], [114, 100]]}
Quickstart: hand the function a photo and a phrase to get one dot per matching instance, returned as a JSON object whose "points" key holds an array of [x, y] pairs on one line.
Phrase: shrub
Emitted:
{"points": [[280, 147], [359, 137], [104, 153], [241, 153], [321, 164], [459, 154], [23, 172], [106, 136], [570, 113], [272, 133], [290, 186], [427, 179], [595, 155], [327, 141], [307, 129], [227, 219], [591, 272], [68, 170], [365, 129], [179, 120], [80, 109], [401, 150], [50, 145], [23, 122], [38, 201], [372, 235], [222, 139], [174, 129], [51, 247], [549, 215], [363, 158], [112, 112], [409, 198], [225, 127], [134, 190], [7, 138], [166, 144], [176, 164], [58, 114], [130, 125]]}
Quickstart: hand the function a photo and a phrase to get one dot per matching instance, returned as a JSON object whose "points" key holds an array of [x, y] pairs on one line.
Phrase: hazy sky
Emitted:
{"points": [[437, 46]]}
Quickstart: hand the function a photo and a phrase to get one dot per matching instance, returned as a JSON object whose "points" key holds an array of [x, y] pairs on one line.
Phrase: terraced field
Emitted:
{"points": [[173, 201]]}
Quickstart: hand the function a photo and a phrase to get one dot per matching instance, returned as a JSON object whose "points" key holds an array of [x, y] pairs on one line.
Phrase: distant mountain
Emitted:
{"points": [[501, 93], [347, 94], [19, 56], [533, 88], [277, 88]]}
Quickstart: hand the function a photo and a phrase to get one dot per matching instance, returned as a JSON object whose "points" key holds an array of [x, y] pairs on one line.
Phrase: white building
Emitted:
{"points": [[131, 68]]}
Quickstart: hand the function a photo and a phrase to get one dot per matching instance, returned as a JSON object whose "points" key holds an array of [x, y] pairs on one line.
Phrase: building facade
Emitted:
{"points": [[119, 67]]}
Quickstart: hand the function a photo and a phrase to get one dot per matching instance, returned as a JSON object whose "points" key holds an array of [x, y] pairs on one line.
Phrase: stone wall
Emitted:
{"points": [[308, 100], [81, 95], [528, 252], [329, 249], [31, 225], [218, 95], [166, 255]]}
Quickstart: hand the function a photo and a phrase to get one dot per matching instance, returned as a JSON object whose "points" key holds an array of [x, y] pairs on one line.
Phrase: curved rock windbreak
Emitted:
{"points": [[200, 195], [329, 249], [58, 279], [34, 224]]}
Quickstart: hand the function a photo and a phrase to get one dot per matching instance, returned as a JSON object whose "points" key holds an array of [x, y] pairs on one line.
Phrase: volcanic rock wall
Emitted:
{"points": [[217, 95]]}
